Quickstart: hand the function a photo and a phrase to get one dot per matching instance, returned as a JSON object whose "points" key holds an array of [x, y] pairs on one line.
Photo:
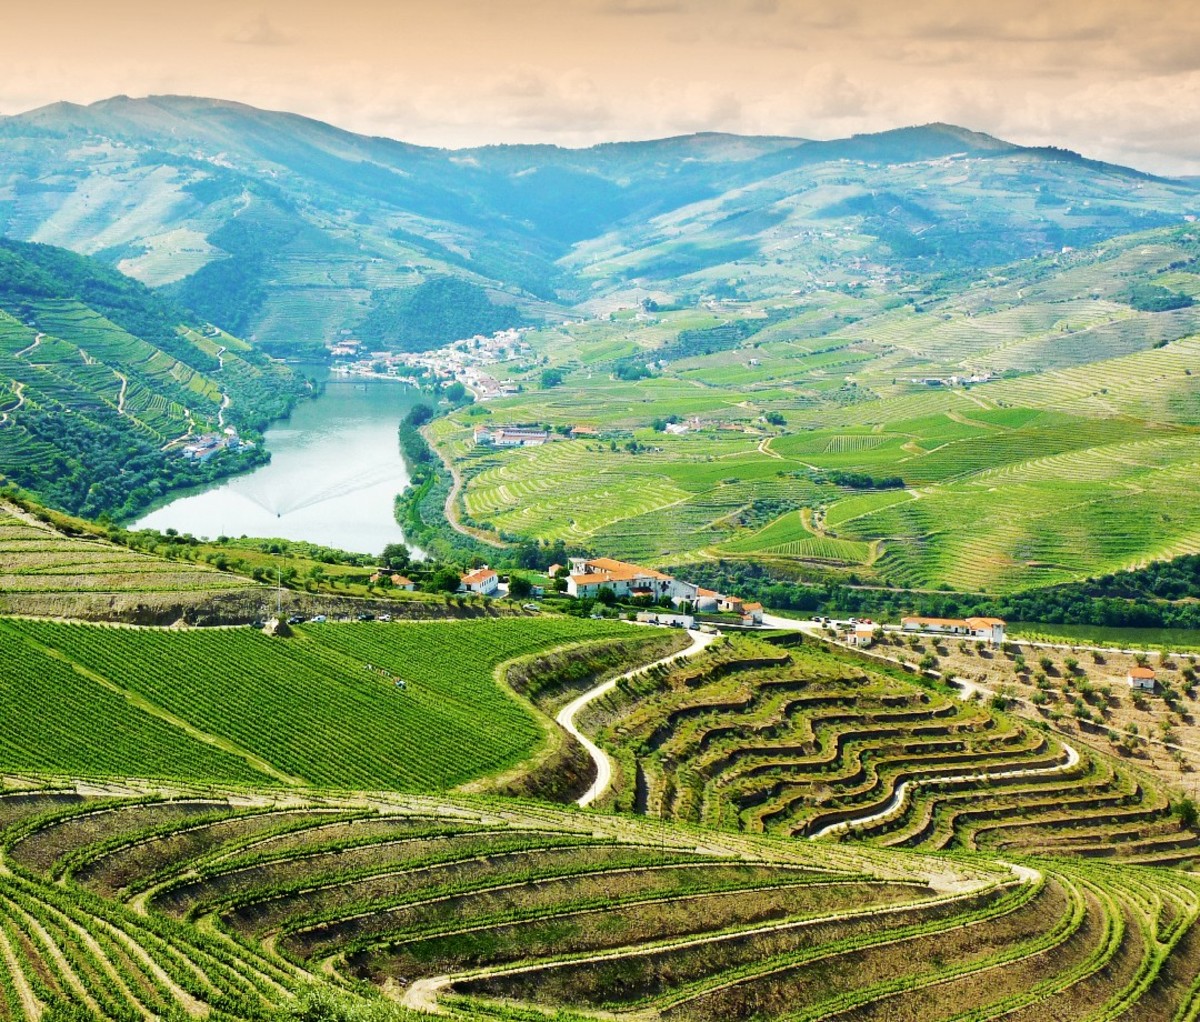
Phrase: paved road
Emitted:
{"points": [[566, 716]]}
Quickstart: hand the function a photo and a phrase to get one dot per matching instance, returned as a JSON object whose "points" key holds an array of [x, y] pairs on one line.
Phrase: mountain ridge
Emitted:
{"points": [[287, 229]]}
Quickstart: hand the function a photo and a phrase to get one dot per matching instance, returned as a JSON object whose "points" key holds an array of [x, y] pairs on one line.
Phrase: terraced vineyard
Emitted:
{"points": [[130, 905], [751, 738], [42, 567]]}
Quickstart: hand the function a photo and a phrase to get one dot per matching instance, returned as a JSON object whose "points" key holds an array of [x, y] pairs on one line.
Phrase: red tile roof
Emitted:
{"points": [[475, 577]]}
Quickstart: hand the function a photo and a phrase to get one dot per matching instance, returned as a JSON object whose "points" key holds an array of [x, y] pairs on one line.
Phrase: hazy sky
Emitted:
{"points": [[1115, 79]]}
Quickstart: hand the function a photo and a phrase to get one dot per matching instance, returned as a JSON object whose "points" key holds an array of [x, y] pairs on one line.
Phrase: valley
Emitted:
{"points": [[307, 713]]}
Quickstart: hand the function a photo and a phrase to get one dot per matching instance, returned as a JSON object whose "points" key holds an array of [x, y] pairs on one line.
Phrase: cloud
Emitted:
{"points": [[639, 7], [257, 30]]}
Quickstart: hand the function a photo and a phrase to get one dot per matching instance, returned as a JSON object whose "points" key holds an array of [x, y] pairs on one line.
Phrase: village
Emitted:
{"points": [[465, 361], [209, 445]]}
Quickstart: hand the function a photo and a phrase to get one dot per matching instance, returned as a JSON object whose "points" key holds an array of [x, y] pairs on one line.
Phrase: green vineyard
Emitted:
{"points": [[801, 743], [398, 707]]}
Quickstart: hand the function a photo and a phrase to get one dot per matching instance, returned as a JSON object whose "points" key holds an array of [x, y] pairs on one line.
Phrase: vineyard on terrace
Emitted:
{"points": [[133, 906], [752, 738], [323, 708]]}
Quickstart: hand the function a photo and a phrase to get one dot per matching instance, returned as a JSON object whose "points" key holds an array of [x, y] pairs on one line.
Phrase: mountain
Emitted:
{"points": [[283, 229], [103, 383]]}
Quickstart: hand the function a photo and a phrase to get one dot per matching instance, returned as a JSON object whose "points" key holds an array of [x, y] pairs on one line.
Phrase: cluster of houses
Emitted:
{"points": [[464, 361], [590, 577], [211, 444], [861, 633]]}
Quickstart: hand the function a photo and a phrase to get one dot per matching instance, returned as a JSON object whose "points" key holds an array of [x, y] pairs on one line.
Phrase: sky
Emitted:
{"points": [[1117, 80]]}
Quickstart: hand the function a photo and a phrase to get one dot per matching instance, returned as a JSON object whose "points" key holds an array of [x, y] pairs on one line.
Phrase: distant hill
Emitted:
{"points": [[284, 229], [103, 382]]}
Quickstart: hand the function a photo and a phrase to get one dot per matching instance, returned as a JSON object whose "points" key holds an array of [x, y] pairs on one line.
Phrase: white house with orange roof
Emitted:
{"points": [[752, 613], [589, 577], [1140, 677], [482, 581], [990, 629]]}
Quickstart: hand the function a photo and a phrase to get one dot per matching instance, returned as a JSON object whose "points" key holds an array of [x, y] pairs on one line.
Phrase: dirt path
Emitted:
{"points": [[121, 396], [764, 447], [25, 351], [18, 390], [451, 509], [566, 716], [900, 797]]}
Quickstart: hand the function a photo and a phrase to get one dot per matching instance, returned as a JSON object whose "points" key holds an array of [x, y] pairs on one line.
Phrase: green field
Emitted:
{"points": [[1121, 638], [1072, 460], [321, 709]]}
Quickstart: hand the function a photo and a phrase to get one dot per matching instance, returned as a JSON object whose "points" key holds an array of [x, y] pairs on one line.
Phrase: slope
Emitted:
{"points": [[105, 382]]}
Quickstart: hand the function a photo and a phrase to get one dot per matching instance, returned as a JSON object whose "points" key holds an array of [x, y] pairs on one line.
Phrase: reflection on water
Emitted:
{"points": [[335, 471]]}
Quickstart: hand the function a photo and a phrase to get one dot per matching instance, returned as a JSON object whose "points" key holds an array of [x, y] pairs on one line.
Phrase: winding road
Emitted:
{"points": [[897, 801], [966, 689], [566, 716]]}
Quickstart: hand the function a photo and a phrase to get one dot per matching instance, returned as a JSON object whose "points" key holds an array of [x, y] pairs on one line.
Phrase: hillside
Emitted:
{"points": [[287, 230], [195, 899], [997, 430], [103, 383]]}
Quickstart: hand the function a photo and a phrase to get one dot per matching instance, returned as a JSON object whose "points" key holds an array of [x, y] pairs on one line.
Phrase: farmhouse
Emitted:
{"points": [[510, 436], [861, 635], [590, 577], [1140, 677], [989, 628], [400, 582], [752, 613], [483, 581]]}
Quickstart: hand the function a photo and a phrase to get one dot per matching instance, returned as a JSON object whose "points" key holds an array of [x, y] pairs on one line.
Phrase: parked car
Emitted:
{"points": [[385, 617], [319, 619]]}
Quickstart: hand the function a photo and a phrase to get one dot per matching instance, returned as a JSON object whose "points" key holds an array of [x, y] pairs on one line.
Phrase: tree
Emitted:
{"points": [[445, 580], [395, 556], [455, 392], [552, 378], [519, 587]]}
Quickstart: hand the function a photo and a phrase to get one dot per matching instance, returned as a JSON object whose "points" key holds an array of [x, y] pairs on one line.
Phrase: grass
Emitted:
{"points": [[1072, 464]]}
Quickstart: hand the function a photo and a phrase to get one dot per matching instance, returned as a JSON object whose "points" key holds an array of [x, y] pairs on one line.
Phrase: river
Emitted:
{"points": [[335, 471]]}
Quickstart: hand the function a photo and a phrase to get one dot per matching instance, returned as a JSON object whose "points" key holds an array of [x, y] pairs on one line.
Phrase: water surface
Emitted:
{"points": [[335, 471]]}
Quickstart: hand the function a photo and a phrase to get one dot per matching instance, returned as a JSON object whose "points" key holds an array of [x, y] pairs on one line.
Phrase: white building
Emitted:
{"points": [[1140, 677], [483, 581], [990, 629], [652, 617], [590, 577]]}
